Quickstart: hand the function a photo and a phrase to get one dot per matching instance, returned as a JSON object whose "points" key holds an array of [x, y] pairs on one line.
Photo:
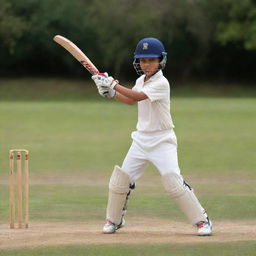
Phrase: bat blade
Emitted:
{"points": [[77, 53]]}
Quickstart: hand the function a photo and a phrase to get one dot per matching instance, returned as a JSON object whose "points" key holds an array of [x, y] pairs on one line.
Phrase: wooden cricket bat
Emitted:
{"points": [[77, 53]]}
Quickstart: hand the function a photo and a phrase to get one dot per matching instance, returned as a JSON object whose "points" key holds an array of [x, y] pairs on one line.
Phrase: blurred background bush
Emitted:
{"points": [[205, 39]]}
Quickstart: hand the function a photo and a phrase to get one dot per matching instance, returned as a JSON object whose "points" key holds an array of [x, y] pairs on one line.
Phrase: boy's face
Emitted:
{"points": [[149, 66]]}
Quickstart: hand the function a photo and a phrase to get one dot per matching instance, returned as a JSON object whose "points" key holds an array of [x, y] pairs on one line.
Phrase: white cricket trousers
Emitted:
{"points": [[159, 148]]}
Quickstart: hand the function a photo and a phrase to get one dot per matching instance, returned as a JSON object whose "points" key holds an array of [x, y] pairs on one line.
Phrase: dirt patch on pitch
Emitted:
{"points": [[137, 231]]}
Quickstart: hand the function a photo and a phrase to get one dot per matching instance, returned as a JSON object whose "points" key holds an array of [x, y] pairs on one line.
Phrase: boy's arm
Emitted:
{"points": [[128, 96], [107, 84]]}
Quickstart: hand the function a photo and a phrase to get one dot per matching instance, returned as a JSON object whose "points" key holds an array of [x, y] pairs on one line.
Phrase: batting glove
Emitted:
{"points": [[106, 92], [104, 81]]}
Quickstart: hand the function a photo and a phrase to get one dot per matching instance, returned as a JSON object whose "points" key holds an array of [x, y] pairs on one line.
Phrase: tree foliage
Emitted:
{"points": [[12, 26], [237, 23], [195, 34]]}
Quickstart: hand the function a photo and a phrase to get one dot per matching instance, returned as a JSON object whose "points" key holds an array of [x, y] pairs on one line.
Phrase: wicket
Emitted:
{"points": [[19, 187]]}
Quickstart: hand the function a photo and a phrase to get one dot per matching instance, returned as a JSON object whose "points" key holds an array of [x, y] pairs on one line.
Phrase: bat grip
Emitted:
{"points": [[101, 74]]}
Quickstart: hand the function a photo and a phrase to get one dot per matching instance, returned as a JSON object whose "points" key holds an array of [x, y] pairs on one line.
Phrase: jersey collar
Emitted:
{"points": [[154, 77]]}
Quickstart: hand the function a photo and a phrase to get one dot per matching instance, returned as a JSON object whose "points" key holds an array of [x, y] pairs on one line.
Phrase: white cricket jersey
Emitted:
{"points": [[154, 112]]}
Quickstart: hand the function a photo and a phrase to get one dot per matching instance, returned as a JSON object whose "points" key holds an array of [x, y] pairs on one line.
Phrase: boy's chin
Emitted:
{"points": [[149, 73]]}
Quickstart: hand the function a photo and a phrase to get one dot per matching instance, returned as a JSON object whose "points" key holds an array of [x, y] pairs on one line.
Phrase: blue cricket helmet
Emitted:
{"points": [[149, 48]]}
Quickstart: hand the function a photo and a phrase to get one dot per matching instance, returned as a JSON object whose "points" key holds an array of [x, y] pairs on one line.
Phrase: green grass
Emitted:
{"points": [[66, 136], [87, 202], [227, 249], [55, 89], [72, 136], [47, 89], [220, 131], [71, 132], [54, 203]]}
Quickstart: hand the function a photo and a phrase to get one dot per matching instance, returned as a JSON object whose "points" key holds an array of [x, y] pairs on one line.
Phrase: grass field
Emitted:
{"points": [[75, 138]]}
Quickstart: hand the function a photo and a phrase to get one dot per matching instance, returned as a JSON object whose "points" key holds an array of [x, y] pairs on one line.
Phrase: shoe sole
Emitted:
{"points": [[204, 234]]}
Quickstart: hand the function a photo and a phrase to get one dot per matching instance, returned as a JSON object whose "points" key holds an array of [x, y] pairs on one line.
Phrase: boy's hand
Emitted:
{"points": [[106, 92], [104, 81]]}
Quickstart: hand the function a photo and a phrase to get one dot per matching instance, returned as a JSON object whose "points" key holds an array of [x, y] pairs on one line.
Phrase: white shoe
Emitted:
{"points": [[204, 228], [110, 227]]}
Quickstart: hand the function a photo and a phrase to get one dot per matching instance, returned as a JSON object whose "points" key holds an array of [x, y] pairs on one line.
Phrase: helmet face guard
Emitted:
{"points": [[149, 48]]}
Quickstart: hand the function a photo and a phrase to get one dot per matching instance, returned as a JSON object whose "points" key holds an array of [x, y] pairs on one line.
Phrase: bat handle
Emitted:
{"points": [[101, 74]]}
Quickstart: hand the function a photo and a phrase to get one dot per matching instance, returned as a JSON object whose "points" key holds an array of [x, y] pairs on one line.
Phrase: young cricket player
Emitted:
{"points": [[153, 141]]}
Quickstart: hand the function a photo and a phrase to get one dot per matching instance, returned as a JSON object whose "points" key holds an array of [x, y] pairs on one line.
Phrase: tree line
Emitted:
{"points": [[204, 38]]}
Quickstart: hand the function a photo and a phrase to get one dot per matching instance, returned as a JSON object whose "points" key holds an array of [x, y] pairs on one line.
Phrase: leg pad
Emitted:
{"points": [[184, 196], [118, 189]]}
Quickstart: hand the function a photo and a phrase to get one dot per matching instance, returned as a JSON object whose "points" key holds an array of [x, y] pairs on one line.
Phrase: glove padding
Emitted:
{"points": [[104, 81], [106, 92]]}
